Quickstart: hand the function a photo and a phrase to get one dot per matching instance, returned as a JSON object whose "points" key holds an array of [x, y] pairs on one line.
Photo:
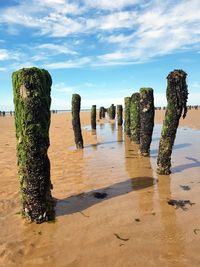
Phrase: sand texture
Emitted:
{"points": [[112, 208]]}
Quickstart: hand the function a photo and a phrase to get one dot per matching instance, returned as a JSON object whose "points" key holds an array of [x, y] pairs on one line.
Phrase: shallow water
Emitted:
{"points": [[112, 207]]}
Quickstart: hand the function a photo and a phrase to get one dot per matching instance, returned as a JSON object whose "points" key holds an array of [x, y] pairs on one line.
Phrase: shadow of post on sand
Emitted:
{"points": [[80, 202]]}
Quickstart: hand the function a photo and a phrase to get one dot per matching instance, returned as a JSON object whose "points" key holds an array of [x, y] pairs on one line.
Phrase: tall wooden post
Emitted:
{"points": [[127, 121], [177, 94], [135, 118], [119, 115], [76, 123], [93, 117], [32, 87], [147, 111]]}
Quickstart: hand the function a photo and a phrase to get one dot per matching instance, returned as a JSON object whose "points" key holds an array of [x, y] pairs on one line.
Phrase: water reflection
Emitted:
{"points": [[113, 126], [102, 126], [93, 132], [171, 234], [120, 134], [137, 166]]}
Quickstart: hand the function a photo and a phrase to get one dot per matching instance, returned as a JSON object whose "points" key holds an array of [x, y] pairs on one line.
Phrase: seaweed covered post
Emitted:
{"points": [[111, 112], [76, 123], [32, 87], [177, 94], [147, 111], [119, 115], [102, 112], [135, 118], [127, 102], [93, 117]]}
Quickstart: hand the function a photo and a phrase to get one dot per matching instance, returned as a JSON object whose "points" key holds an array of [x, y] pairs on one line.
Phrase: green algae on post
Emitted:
{"points": [[135, 118], [127, 102], [93, 117], [32, 87], [76, 123], [147, 111], [177, 95], [111, 112], [119, 115], [102, 112]]}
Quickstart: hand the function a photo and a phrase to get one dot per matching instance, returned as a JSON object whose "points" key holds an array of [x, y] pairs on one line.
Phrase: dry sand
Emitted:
{"points": [[132, 226]]}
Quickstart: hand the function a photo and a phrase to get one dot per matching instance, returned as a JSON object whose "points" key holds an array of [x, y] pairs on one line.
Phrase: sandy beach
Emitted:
{"points": [[133, 225]]}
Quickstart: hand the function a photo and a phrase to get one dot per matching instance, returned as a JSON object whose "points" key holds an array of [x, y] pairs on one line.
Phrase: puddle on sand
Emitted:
{"points": [[132, 189], [113, 166]]}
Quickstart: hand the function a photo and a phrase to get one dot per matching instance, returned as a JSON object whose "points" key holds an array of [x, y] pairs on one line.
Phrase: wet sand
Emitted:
{"points": [[191, 120], [133, 225]]}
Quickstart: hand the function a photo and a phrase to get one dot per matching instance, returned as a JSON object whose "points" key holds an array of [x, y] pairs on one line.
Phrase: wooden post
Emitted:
{"points": [[32, 87], [76, 123], [127, 102], [135, 118], [119, 115], [147, 111], [177, 94], [93, 117]]}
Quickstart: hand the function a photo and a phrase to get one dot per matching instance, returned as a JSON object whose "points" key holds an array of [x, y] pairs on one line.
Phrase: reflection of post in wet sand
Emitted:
{"points": [[113, 126], [94, 132], [120, 134], [171, 234], [141, 174], [102, 126]]}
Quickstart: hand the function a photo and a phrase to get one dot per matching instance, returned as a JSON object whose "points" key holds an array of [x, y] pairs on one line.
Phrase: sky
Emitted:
{"points": [[103, 50]]}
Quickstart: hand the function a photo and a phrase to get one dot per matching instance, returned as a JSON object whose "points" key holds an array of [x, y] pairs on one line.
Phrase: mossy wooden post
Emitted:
{"points": [[127, 102], [102, 112], [119, 115], [147, 111], [93, 117], [32, 87], [177, 94], [135, 118], [111, 112], [76, 105]]}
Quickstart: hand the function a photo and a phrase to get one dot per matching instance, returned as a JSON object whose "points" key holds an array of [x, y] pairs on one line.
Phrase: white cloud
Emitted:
{"points": [[69, 64], [116, 20], [3, 69], [111, 4], [7, 55], [60, 6], [57, 49], [4, 54], [126, 36], [63, 88], [158, 31], [57, 25]]}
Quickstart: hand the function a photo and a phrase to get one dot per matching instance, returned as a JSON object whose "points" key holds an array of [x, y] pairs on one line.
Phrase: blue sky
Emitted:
{"points": [[102, 49]]}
